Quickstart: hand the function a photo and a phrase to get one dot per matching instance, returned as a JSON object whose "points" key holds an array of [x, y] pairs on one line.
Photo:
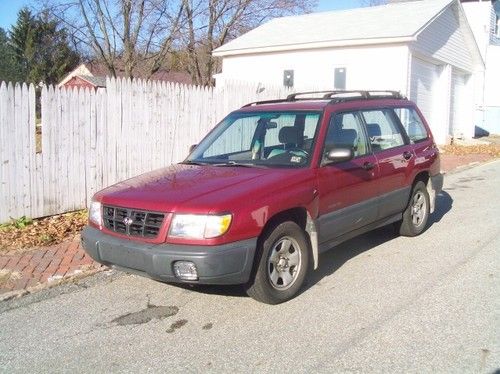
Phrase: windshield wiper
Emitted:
{"points": [[221, 164], [189, 162], [237, 164]]}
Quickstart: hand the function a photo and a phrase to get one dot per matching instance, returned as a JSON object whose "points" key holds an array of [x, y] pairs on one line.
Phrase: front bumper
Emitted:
{"points": [[224, 264]]}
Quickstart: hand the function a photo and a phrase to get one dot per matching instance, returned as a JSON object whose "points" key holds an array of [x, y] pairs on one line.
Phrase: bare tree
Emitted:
{"points": [[211, 23], [129, 34]]}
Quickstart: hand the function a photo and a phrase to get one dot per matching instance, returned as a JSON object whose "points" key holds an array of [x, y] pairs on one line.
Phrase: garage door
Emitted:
{"points": [[458, 106], [424, 76]]}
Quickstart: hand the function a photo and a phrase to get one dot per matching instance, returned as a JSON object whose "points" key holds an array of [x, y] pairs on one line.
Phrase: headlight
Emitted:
{"points": [[197, 226], [95, 213]]}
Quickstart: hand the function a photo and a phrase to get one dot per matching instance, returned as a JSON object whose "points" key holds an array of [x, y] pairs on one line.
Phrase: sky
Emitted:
{"points": [[9, 8]]}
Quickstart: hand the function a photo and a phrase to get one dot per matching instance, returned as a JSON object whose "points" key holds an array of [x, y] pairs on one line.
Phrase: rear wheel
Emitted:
{"points": [[282, 265], [416, 215]]}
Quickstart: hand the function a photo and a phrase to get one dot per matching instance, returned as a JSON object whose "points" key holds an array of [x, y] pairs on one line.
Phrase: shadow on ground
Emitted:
{"points": [[333, 259]]}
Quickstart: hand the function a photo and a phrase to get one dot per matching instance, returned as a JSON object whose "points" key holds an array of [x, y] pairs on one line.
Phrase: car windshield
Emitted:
{"points": [[263, 139]]}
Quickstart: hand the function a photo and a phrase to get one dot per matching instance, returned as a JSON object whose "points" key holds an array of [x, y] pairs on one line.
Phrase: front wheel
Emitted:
{"points": [[416, 214], [282, 266]]}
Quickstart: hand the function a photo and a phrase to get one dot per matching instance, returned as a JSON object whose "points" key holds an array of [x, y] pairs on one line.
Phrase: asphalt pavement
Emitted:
{"points": [[378, 303]]}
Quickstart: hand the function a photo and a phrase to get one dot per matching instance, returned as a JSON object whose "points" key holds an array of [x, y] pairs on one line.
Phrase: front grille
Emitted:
{"points": [[132, 222]]}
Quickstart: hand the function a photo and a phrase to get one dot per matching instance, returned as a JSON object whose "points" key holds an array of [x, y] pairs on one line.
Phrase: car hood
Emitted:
{"points": [[179, 186]]}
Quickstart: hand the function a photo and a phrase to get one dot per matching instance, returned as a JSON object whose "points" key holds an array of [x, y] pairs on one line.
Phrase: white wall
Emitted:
{"points": [[490, 111], [492, 77], [481, 18], [376, 67]]}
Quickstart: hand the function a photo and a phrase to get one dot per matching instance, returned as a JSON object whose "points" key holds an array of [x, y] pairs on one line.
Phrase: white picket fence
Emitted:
{"points": [[91, 139]]}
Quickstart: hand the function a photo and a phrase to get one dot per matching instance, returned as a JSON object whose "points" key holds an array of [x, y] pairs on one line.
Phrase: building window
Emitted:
{"points": [[288, 78], [339, 79]]}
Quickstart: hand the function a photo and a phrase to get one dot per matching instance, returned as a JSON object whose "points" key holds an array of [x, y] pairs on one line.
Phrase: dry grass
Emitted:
{"points": [[24, 233]]}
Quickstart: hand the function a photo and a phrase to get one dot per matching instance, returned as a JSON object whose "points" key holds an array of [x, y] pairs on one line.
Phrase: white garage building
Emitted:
{"points": [[425, 49]]}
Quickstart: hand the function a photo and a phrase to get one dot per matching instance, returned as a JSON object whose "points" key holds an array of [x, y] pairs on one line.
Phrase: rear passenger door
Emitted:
{"points": [[348, 190], [395, 158]]}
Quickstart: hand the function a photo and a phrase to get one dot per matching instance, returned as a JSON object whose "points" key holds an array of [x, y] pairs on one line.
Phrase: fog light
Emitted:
{"points": [[185, 270]]}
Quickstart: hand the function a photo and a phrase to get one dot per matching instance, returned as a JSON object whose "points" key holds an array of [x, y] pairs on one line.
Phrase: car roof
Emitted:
{"points": [[339, 99], [315, 106], [306, 105]]}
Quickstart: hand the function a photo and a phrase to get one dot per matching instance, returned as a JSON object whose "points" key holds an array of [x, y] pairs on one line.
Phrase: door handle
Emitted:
{"points": [[368, 165], [407, 155]]}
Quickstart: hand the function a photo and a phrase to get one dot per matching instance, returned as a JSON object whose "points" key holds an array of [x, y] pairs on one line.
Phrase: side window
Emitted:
{"points": [[382, 129], [345, 131], [412, 123]]}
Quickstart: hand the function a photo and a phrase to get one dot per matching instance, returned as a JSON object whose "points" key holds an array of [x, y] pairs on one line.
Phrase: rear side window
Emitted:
{"points": [[383, 131], [412, 123], [345, 131]]}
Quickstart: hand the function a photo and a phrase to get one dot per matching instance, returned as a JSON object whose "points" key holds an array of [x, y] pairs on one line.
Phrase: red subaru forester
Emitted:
{"points": [[268, 189]]}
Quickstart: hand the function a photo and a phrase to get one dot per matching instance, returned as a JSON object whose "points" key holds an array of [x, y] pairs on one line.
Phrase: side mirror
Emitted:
{"points": [[192, 147], [337, 155]]}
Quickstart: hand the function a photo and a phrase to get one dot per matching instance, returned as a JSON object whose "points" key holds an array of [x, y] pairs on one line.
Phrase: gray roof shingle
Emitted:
{"points": [[395, 20]]}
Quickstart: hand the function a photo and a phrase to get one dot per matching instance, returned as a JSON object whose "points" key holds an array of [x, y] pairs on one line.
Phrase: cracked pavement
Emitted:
{"points": [[378, 303]]}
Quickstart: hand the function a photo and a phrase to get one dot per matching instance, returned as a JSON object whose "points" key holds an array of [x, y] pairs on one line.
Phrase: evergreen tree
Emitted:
{"points": [[21, 39], [10, 70], [41, 48]]}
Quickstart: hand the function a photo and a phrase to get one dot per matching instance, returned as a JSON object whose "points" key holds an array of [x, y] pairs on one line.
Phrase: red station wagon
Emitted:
{"points": [[268, 189]]}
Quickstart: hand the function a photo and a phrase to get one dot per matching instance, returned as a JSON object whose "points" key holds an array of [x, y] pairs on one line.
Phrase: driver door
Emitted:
{"points": [[348, 191]]}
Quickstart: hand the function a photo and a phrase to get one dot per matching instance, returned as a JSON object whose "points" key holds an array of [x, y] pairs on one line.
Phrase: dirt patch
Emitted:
{"points": [[208, 326], [25, 234], [177, 325], [8, 276], [149, 313]]}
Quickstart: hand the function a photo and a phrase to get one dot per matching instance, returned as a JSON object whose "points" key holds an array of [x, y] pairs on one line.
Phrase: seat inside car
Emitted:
{"points": [[342, 138], [374, 133], [289, 137]]}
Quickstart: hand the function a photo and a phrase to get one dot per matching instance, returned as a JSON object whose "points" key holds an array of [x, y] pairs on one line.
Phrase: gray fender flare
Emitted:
{"points": [[313, 236], [434, 187]]}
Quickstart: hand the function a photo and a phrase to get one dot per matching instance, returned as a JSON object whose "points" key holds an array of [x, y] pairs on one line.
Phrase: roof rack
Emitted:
{"points": [[336, 96]]}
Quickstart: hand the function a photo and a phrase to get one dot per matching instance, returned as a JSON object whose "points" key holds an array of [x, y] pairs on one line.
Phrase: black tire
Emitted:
{"points": [[279, 276], [416, 214]]}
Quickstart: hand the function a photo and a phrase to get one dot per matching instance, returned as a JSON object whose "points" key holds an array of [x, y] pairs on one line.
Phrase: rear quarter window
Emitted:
{"points": [[412, 124]]}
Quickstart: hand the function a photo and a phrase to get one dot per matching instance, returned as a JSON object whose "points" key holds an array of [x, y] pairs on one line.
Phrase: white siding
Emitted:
{"points": [[457, 104], [430, 88], [424, 78], [461, 110], [381, 67], [443, 40]]}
